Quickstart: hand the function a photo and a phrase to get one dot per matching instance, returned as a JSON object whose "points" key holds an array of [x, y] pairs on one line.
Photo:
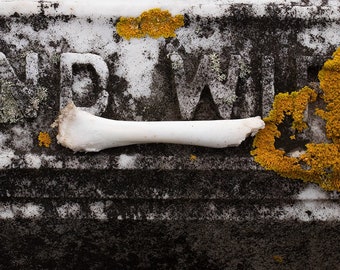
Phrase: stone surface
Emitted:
{"points": [[74, 244], [158, 206]]}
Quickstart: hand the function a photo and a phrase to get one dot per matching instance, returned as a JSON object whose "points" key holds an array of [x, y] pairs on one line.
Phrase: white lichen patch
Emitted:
{"points": [[28, 210], [296, 153], [35, 161], [69, 210], [51, 162], [6, 158], [6, 211], [191, 39], [7, 155], [312, 210], [97, 210], [312, 203], [73, 164], [319, 38], [32, 161], [4, 137], [81, 86], [150, 216], [136, 63], [312, 192], [22, 138], [126, 161]]}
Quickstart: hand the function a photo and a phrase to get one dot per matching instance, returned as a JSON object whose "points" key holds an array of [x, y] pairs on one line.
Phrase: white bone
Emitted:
{"points": [[82, 131]]}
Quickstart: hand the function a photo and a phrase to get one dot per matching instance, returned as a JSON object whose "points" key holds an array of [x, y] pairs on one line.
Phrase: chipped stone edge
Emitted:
{"points": [[217, 8], [127, 162], [302, 211]]}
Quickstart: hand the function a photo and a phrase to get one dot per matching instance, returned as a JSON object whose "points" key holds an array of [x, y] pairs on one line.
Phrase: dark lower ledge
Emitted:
{"points": [[93, 244], [165, 219]]}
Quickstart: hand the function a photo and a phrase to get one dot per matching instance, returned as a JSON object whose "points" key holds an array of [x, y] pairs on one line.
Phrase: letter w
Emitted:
{"points": [[223, 89]]}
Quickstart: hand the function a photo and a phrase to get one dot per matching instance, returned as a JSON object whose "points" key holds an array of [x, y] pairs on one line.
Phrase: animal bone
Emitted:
{"points": [[82, 131]]}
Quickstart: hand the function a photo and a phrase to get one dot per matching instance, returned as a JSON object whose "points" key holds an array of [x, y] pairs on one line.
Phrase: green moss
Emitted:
{"points": [[12, 109], [9, 108], [216, 67], [41, 95]]}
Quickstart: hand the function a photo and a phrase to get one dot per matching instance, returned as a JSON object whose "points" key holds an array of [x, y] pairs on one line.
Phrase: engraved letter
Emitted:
{"points": [[18, 99], [268, 91], [208, 73], [67, 60], [302, 64]]}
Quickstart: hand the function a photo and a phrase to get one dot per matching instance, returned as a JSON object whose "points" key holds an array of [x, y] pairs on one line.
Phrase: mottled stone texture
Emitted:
{"points": [[182, 226], [88, 244], [159, 206]]}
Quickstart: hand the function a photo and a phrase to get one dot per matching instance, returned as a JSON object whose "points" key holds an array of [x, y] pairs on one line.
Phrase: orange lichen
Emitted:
{"points": [[154, 23], [129, 28], [278, 258], [329, 78], [44, 139], [321, 162], [193, 157]]}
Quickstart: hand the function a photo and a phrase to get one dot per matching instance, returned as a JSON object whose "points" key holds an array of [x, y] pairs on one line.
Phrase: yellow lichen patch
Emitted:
{"points": [[278, 258], [193, 157], [154, 23], [129, 28], [44, 139], [329, 78], [320, 163]]}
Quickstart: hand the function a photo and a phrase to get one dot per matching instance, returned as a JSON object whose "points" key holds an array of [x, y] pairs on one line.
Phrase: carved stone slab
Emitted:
{"points": [[157, 205], [221, 67]]}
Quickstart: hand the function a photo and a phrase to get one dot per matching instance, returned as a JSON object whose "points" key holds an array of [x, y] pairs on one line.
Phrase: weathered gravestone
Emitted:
{"points": [[158, 206]]}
